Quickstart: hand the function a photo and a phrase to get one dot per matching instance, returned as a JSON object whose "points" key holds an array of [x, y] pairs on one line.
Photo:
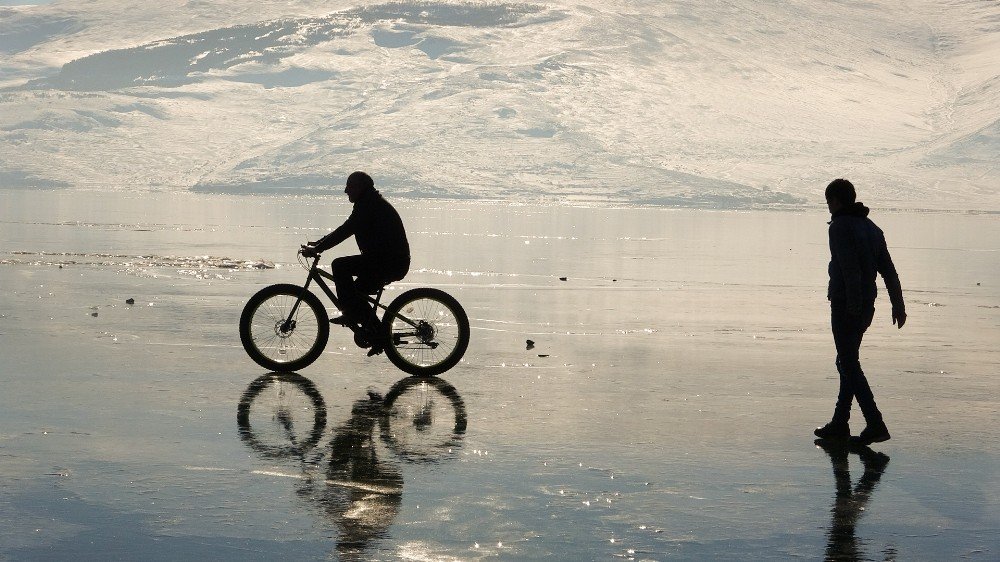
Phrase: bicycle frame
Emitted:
{"points": [[316, 274]]}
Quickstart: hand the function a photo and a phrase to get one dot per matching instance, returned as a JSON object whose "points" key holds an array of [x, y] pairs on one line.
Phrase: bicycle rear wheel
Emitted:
{"points": [[280, 342], [426, 331], [423, 419]]}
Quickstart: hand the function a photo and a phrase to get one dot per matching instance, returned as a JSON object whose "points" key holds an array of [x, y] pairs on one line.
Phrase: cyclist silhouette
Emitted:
{"points": [[385, 252]]}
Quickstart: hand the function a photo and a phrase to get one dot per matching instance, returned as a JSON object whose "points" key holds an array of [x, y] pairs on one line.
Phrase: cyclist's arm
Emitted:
{"points": [[342, 232]]}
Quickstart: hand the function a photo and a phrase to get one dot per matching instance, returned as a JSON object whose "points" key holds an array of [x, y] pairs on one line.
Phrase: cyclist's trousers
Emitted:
{"points": [[357, 276]]}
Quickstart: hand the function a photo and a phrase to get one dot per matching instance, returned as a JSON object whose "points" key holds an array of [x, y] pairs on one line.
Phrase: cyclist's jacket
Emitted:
{"points": [[857, 252], [376, 227]]}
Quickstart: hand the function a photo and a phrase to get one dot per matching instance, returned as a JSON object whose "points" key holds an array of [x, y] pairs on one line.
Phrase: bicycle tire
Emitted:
{"points": [[263, 336], [426, 332]]}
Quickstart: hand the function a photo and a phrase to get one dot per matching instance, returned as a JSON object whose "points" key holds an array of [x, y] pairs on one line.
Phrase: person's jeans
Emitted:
{"points": [[848, 330]]}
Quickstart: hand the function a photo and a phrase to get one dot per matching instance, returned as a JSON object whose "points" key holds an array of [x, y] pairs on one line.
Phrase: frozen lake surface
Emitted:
{"points": [[665, 410]]}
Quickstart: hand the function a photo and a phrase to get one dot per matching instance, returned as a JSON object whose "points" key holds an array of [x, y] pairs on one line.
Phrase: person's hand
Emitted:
{"points": [[309, 251], [898, 318]]}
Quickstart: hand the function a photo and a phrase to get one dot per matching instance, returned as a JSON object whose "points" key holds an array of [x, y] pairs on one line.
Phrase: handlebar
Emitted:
{"points": [[303, 258]]}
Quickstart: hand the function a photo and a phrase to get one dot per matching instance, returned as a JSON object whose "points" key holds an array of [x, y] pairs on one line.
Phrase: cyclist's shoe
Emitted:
{"points": [[371, 333], [834, 430], [344, 320], [875, 432]]}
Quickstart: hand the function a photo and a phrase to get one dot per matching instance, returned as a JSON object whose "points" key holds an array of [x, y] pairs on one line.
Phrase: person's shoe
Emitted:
{"points": [[872, 433], [834, 430], [344, 320]]}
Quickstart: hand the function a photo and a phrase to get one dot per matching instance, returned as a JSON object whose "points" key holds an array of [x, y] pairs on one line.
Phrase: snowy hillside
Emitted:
{"points": [[677, 103]]}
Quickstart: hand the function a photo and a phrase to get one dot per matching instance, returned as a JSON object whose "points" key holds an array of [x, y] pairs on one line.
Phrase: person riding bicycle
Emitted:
{"points": [[385, 252]]}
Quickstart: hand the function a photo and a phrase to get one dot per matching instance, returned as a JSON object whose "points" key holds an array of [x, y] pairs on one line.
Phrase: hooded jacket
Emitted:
{"points": [[376, 227], [857, 252]]}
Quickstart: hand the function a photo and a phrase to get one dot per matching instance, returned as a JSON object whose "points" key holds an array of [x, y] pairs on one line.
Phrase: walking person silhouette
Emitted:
{"points": [[857, 252]]}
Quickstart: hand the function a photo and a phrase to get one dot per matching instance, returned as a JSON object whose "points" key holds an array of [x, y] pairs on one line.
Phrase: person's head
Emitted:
{"points": [[839, 194], [358, 184]]}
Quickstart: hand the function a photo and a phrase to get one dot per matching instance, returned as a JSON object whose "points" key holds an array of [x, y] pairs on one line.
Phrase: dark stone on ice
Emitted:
{"points": [[130, 301], [529, 344]]}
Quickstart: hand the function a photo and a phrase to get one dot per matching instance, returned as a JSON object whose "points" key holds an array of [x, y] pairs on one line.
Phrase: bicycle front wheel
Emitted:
{"points": [[426, 331], [275, 338], [281, 415]]}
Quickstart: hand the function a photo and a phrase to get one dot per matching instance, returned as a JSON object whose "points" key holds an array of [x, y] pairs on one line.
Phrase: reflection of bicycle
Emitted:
{"points": [[350, 483], [285, 327], [283, 415]]}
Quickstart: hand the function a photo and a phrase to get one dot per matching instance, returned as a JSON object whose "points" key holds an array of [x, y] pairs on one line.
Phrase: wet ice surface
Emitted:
{"points": [[664, 411]]}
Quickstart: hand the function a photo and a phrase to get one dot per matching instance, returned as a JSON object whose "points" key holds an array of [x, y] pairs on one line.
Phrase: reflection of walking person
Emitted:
{"points": [[850, 502], [857, 252]]}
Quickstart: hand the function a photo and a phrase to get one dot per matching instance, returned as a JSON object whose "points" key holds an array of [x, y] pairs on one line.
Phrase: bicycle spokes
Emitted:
{"points": [[425, 332]]}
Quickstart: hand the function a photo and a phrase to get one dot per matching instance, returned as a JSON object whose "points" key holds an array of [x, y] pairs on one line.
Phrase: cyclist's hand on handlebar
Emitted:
{"points": [[309, 251]]}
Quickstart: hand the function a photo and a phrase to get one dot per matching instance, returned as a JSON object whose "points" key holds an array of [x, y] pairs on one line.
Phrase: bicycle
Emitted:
{"points": [[423, 331]]}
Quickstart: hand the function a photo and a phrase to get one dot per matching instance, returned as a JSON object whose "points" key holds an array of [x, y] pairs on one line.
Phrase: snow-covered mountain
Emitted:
{"points": [[716, 104]]}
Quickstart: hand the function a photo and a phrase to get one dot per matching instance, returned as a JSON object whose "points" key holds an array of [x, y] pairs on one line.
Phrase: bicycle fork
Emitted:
{"points": [[289, 324]]}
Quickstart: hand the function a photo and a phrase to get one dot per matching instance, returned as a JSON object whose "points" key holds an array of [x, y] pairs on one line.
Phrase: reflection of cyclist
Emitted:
{"points": [[359, 492], [362, 493], [385, 252]]}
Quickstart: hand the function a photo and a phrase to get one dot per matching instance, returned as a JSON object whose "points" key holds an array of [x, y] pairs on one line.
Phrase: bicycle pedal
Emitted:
{"points": [[375, 351]]}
